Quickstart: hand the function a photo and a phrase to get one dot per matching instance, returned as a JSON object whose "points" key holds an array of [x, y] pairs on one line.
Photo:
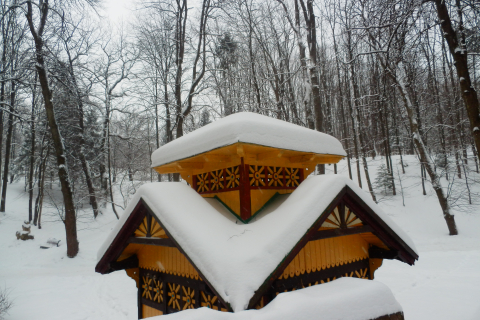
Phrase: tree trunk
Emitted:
{"points": [[8, 147], [70, 217], [423, 153], [31, 172], [458, 51]]}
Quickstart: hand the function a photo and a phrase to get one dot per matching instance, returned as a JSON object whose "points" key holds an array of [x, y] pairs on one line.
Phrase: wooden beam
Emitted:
{"points": [[270, 154], [167, 169], [302, 158], [325, 159], [162, 242], [190, 165], [240, 150], [217, 158], [325, 234], [130, 262]]}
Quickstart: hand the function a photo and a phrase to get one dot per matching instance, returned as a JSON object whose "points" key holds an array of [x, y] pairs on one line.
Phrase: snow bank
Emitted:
{"points": [[237, 258], [247, 127], [342, 299]]}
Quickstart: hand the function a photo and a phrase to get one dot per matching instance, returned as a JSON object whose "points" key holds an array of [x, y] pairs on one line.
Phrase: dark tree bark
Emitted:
{"points": [[31, 172], [458, 51], [70, 219], [8, 147]]}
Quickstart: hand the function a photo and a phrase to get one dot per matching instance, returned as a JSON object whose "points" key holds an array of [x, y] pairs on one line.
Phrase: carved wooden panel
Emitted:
{"points": [[169, 293], [327, 253], [261, 177], [342, 217], [358, 269]]}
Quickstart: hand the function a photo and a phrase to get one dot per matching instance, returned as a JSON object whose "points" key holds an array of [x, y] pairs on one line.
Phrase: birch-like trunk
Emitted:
{"points": [[423, 152]]}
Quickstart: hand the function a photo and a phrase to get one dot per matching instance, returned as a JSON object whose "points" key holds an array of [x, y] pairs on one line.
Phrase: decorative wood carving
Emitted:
{"points": [[170, 294], [256, 177]]}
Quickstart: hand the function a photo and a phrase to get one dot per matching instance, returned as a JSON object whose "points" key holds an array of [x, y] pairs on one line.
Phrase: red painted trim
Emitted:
{"points": [[194, 182], [301, 175], [245, 197], [219, 191], [269, 188]]}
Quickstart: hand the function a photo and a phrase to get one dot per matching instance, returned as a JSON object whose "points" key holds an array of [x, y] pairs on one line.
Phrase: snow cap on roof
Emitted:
{"points": [[251, 128], [234, 258]]}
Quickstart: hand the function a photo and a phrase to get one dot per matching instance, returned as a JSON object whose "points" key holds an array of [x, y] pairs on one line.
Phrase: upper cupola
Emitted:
{"points": [[245, 159]]}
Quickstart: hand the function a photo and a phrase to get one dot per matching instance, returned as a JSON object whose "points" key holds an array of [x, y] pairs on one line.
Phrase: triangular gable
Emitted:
{"points": [[346, 215], [234, 259], [143, 227]]}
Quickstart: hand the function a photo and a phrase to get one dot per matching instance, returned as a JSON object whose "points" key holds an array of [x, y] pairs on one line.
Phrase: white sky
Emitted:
{"points": [[117, 10]]}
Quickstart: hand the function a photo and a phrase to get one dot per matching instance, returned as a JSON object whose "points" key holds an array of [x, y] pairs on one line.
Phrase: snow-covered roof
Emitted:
{"points": [[345, 298], [247, 127], [236, 258]]}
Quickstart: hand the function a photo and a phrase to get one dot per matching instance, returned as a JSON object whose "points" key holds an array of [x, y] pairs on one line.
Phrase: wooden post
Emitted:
{"points": [[245, 203]]}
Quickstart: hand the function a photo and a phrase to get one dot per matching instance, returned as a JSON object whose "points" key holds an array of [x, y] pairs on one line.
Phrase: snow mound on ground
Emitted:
{"points": [[342, 299], [247, 127], [237, 258]]}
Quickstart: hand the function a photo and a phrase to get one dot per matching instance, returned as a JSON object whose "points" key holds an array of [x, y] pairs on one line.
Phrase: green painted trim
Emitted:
{"points": [[228, 208], [263, 207], [254, 215]]}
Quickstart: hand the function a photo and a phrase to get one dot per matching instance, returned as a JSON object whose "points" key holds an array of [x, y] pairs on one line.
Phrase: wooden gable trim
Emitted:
{"points": [[381, 229], [162, 242], [296, 249], [338, 232], [227, 305], [124, 236], [120, 242], [372, 223]]}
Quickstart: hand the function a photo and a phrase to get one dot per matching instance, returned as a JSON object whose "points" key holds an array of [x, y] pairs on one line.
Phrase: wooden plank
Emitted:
{"points": [[305, 279], [163, 242], [277, 153], [325, 234], [245, 197], [302, 158], [217, 158], [190, 165]]}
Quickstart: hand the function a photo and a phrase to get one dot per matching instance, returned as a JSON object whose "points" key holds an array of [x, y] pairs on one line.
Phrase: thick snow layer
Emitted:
{"points": [[237, 258], [247, 127], [444, 284], [342, 299]]}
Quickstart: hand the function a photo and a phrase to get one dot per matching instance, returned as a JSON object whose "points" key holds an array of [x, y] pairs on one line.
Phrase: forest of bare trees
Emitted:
{"points": [[84, 104]]}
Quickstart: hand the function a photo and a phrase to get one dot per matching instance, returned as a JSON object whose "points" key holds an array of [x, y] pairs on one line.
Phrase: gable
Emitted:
{"points": [[239, 261], [342, 236]]}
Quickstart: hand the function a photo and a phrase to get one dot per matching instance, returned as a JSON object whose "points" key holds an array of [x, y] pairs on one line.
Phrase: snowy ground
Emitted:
{"points": [[45, 284]]}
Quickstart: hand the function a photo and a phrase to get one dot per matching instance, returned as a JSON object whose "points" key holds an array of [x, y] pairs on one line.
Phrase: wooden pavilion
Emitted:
{"points": [[249, 224]]}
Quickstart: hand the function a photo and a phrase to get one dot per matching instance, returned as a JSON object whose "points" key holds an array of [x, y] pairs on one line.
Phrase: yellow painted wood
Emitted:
{"points": [[297, 265], [260, 197], [148, 312], [253, 154], [327, 253], [308, 258], [301, 256], [230, 198], [373, 239], [166, 259]]}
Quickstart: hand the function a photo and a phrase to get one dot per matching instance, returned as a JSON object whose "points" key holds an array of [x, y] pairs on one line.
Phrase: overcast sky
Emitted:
{"points": [[116, 10]]}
